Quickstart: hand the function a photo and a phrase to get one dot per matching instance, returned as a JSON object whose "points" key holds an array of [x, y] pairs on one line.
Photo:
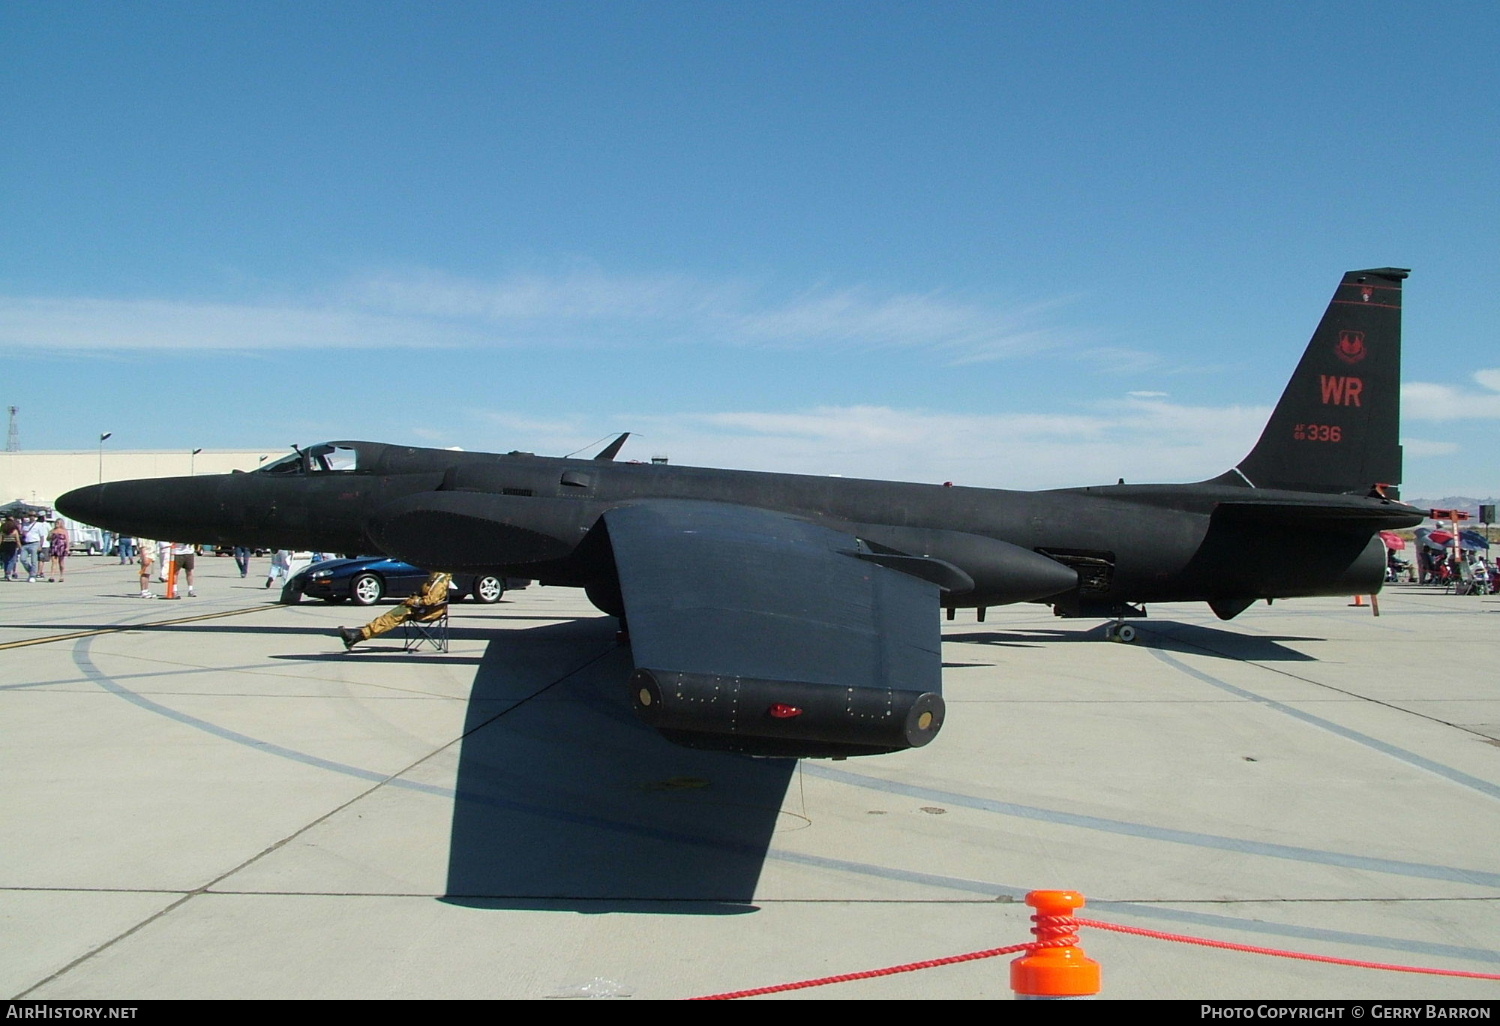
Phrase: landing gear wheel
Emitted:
{"points": [[1125, 633], [366, 590]]}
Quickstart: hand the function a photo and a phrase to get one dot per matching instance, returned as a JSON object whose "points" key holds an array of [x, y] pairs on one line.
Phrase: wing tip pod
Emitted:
{"points": [[783, 718]]}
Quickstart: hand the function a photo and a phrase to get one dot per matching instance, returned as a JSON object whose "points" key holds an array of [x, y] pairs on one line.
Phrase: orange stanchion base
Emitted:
{"points": [[1055, 966]]}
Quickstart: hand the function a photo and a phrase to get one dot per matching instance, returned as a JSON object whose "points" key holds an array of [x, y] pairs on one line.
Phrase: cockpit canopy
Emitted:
{"points": [[322, 458]]}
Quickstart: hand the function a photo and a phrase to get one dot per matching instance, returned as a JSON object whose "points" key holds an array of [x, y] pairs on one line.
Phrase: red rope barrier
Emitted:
{"points": [[1056, 931], [1228, 946], [869, 974]]}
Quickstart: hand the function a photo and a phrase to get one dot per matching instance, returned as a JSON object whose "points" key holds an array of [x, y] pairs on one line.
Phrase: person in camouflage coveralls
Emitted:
{"points": [[427, 604]]}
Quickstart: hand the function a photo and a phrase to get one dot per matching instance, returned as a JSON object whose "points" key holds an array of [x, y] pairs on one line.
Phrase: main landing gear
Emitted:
{"points": [[1119, 630]]}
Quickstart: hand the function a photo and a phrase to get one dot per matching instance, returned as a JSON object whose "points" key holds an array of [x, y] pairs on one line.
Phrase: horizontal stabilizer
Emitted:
{"points": [[1374, 517]]}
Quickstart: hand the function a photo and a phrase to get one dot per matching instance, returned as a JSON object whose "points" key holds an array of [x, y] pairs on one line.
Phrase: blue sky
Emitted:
{"points": [[1018, 245]]}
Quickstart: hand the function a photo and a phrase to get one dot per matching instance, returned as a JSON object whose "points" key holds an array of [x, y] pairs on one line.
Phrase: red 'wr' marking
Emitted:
{"points": [[1340, 391]]}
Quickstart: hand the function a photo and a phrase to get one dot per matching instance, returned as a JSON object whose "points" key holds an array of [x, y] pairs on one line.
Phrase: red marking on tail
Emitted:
{"points": [[1338, 391]]}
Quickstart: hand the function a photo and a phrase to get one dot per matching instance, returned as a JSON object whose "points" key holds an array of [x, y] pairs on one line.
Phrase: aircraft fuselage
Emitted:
{"points": [[1124, 543], [791, 615]]}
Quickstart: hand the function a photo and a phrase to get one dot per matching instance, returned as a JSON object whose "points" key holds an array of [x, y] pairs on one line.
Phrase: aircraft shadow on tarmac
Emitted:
{"points": [[1166, 635], [189, 628], [386, 647], [566, 800]]}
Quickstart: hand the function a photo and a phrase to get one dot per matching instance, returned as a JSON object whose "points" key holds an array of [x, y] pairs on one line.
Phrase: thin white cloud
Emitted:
{"points": [[534, 299], [1120, 360], [104, 324], [966, 332], [1418, 448], [552, 429], [1140, 438], [584, 308], [1137, 440], [1422, 400]]}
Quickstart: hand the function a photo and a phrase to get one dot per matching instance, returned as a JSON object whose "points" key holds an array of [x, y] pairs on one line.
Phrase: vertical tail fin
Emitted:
{"points": [[1336, 428]]}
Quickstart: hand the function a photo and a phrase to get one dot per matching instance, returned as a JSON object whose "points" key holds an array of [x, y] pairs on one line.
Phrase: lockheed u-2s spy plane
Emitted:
{"points": [[787, 615]]}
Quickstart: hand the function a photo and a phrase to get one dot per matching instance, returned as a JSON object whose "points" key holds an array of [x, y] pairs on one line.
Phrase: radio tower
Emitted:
{"points": [[13, 439]]}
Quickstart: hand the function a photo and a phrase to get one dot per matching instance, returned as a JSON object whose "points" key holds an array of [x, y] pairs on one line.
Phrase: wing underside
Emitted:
{"points": [[760, 632]]}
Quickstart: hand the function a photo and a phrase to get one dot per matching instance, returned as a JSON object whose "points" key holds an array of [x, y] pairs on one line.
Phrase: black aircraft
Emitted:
{"points": [[786, 615]]}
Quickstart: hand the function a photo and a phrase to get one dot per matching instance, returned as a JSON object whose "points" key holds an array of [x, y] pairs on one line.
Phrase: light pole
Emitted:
{"points": [[102, 438], [193, 463]]}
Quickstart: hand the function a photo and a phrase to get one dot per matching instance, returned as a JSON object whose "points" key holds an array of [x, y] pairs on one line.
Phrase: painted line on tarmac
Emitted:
{"points": [[1417, 870], [81, 658], [1459, 777], [146, 625], [1243, 846]]}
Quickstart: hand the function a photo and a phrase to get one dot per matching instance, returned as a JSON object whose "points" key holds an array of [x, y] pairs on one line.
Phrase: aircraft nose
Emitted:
{"points": [[83, 504], [159, 508]]}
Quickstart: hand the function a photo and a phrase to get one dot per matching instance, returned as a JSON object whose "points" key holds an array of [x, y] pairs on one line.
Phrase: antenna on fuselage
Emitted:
{"points": [[612, 450], [607, 453]]}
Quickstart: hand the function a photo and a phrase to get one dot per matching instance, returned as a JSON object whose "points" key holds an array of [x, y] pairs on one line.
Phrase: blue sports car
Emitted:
{"points": [[365, 580]]}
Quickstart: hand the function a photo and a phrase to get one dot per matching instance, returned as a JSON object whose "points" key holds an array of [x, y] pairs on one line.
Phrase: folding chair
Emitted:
{"points": [[1464, 583], [427, 628]]}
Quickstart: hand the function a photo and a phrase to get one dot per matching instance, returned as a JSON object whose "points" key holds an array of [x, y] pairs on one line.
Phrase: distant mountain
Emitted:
{"points": [[1465, 502]]}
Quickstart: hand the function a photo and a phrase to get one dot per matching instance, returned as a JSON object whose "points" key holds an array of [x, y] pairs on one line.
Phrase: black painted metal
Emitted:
{"points": [[833, 582]]}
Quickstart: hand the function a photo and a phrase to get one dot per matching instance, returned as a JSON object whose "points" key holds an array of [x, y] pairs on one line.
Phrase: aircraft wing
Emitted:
{"points": [[761, 632]]}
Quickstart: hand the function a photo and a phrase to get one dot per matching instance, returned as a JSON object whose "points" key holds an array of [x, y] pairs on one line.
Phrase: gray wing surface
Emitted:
{"points": [[734, 612]]}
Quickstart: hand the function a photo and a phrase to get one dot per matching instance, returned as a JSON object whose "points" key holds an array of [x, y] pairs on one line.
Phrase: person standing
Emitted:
{"points": [[127, 549], [10, 546], [242, 560], [183, 558], [44, 552], [32, 536], [58, 542], [144, 551], [281, 566]]}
